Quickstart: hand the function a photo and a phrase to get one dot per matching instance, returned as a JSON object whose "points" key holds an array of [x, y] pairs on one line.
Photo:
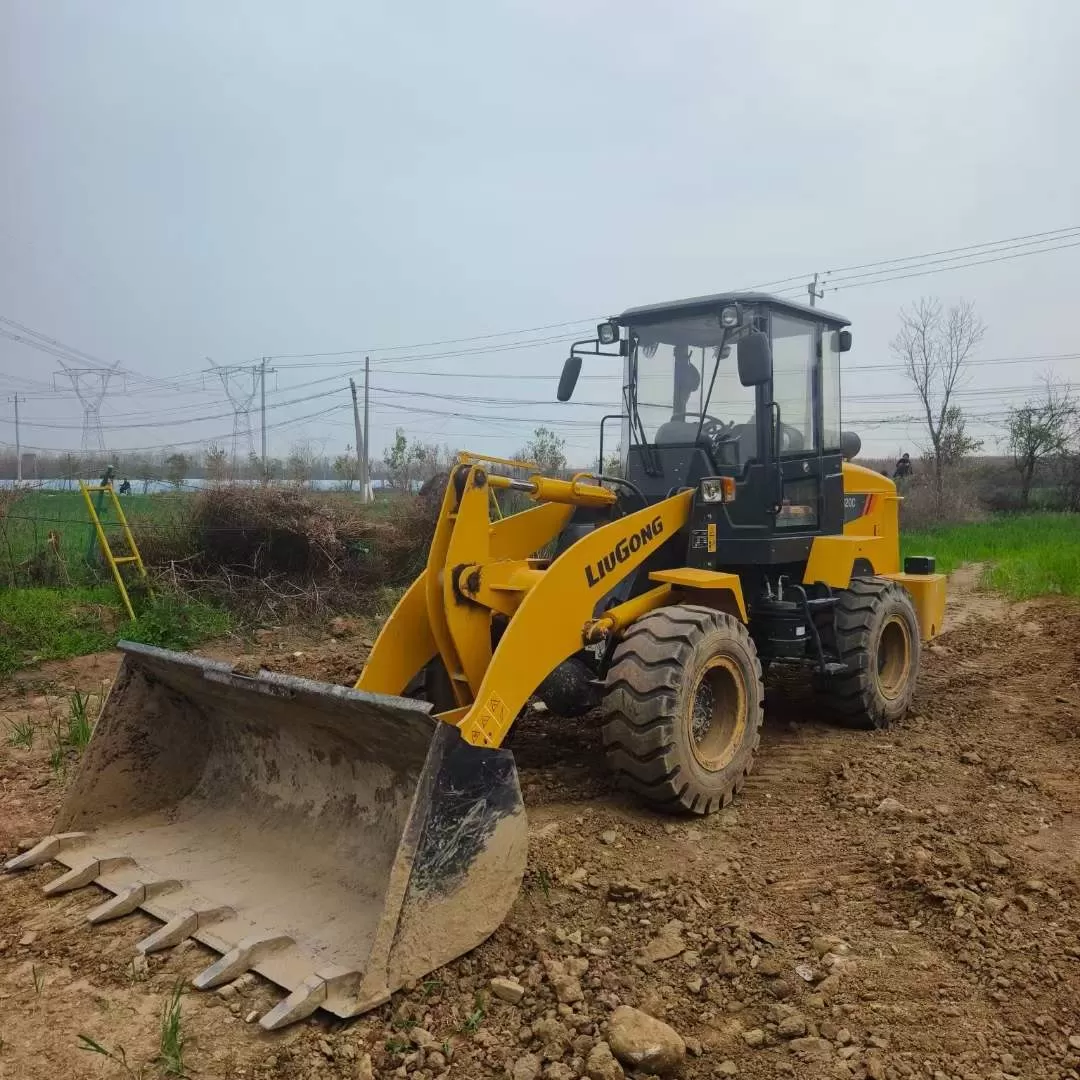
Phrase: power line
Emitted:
{"points": [[172, 444], [483, 350], [43, 343], [157, 423], [1031, 237], [430, 344], [801, 279], [872, 279]]}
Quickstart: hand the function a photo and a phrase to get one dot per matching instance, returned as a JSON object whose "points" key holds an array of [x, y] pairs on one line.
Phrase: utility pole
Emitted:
{"points": [[18, 445], [263, 372], [359, 438], [262, 413], [365, 479], [814, 292]]}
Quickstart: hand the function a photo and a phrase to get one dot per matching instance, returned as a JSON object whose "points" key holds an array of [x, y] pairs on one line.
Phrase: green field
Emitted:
{"points": [[25, 532], [53, 608], [1026, 554], [80, 612], [53, 624]]}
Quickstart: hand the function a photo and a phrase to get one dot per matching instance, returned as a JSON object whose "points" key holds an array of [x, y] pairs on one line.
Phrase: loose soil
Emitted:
{"points": [[883, 905]]}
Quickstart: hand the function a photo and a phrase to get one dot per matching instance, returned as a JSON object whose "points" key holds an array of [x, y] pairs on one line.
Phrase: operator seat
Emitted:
{"points": [[677, 432]]}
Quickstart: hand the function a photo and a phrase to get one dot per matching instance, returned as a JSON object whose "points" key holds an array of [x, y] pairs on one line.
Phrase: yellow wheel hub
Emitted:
{"points": [[893, 657], [718, 709]]}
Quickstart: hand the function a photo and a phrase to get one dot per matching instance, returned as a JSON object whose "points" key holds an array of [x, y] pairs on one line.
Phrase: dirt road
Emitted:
{"points": [[890, 905]]}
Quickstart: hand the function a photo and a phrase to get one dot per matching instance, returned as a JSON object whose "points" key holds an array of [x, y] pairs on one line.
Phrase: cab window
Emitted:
{"points": [[793, 348]]}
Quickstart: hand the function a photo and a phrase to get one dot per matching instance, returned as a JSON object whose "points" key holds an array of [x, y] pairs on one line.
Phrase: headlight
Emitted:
{"points": [[608, 333], [729, 317], [718, 489]]}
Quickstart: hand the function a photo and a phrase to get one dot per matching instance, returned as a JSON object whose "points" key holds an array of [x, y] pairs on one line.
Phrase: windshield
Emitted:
{"points": [[674, 362]]}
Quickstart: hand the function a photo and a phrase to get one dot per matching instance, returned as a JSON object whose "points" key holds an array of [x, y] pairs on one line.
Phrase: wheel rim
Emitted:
{"points": [[717, 713], [893, 657]]}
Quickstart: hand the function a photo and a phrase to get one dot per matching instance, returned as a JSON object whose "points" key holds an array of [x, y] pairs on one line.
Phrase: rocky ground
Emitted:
{"points": [[891, 905]]}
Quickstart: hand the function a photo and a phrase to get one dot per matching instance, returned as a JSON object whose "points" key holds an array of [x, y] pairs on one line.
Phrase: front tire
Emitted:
{"points": [[877, 637], [683, 708]]}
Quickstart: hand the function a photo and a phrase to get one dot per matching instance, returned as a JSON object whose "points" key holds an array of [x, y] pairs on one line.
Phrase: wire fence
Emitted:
{"points": [[271, 552]]}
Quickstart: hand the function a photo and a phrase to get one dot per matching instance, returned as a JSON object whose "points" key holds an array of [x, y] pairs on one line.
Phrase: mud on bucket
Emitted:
{"points": [[339, 843]]}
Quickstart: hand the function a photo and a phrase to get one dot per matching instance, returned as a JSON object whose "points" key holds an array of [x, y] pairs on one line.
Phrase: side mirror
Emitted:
{"points": [[843, 341], [755, 359], [607, 333], [569, 377]]}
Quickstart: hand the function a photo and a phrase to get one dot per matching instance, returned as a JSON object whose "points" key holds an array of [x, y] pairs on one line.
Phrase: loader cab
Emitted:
{"points": [[737, 396]]}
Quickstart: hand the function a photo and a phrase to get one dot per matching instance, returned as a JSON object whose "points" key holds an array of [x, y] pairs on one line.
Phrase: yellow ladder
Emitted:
{"points": [[114, 561]]}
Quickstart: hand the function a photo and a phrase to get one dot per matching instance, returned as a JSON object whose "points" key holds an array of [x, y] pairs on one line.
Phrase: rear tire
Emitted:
{"points": [[877, 637], [683, 708]]}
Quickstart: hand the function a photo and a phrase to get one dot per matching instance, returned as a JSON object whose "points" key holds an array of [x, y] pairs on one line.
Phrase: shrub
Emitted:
{"points": [[922, 507], [278, 552]]}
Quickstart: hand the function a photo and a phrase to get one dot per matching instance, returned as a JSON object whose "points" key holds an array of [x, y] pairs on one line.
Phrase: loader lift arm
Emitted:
{"points": [[477, 568]]}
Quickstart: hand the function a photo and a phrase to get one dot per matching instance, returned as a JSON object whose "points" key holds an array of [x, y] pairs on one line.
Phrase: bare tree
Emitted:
{"points": [[347, 469], [216, 463], [935, 346], [177, 466], [1040, 430], [301, 462], [146, 469]]}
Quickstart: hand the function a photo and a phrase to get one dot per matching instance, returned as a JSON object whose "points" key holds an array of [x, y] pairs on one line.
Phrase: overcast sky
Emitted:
{"points": [[183, 180]]}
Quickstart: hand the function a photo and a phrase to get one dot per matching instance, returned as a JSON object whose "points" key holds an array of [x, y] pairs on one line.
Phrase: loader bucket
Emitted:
{"points": [[337, 842]]}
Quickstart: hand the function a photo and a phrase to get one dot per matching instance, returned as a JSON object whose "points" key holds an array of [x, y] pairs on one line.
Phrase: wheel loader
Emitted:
{"points": [[345, 841]]}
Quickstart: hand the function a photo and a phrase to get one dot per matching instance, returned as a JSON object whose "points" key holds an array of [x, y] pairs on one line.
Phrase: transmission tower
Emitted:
{"points": [[241, 383], [91, 385]]}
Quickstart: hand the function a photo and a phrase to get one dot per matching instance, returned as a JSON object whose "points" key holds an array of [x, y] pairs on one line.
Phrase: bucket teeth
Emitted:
{"points": [[79, 876], [307, 997], [302, 1002], [180, 927], [43, 851], [238, 960], [128, 899]]}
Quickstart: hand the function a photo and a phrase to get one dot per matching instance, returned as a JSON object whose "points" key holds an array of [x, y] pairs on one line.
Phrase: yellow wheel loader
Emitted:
{"points": [[344, 841]]}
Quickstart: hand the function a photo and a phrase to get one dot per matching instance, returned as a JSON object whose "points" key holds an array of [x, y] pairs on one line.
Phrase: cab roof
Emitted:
{"points": [[704, 305]]}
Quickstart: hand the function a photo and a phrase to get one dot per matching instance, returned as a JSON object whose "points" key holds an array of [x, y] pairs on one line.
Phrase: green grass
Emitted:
{"points": [[174, 623], [54, 624], [80, 725], [171, 1043], [472, 1022], [118, 1056], [1027, 554], [24, 533], [21, 733]]}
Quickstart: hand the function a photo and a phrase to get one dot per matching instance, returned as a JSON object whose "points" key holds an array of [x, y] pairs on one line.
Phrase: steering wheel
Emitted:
{"points": [[718, 431]]}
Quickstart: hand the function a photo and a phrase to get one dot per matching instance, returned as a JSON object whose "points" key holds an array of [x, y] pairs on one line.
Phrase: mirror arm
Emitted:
{"points": [[577, 348]]}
